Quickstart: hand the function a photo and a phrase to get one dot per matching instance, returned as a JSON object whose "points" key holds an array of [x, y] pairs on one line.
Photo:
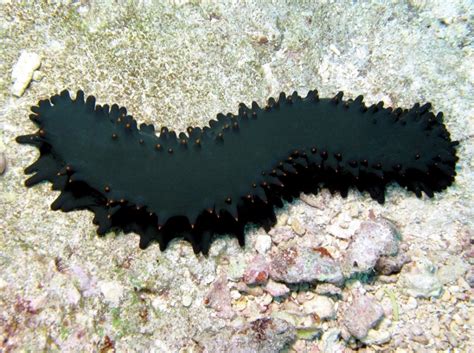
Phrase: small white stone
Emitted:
{"points": [[112, 291], [186, 300], [22, 72], [263, 243], [321, 306], [235, 294]]}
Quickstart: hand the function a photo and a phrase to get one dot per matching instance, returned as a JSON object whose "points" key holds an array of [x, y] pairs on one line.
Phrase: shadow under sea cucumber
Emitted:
{"points": [[216, 179]]}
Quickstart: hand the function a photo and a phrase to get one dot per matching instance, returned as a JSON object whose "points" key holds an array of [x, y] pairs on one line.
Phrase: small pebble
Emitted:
{"points": [[241, 304], [282, 219], [328, 289], [297, 227], [263, 243], [371, 241], [3, 163], [412, 304], [362, 315], [321, 306], [377, 337], [470, 277], [330, 341], [235, 294], [218, 297], [276, 289], [334, 49], [264, 300], [186, 300], [112, 291], [298, 264], [458, 319], [256, 271], [281, 234], [422, 339], [455, 268], [38, 75], [446, 296]]}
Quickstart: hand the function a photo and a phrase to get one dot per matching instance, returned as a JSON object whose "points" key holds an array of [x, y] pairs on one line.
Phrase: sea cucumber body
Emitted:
{"points": [[221, 177]]}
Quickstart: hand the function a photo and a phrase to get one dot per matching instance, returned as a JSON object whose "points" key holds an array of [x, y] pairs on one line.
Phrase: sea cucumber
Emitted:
{"points": [[216, 179]]}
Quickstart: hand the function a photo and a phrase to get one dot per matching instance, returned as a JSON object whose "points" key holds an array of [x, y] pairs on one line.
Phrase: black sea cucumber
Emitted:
{"points": [[234, 171]]}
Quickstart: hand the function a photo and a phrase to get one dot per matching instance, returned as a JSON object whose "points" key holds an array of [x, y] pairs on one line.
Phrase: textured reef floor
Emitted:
{"points": [[407, 264]]}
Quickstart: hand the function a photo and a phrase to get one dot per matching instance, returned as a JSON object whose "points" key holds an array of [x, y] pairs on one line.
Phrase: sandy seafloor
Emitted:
{"points": [[64, 289]]}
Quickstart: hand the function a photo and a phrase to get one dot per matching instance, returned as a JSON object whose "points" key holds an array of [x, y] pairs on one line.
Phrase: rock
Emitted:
{"points": [[263, 243], [321, 306], [276, 289], [3, 163], [112, 291], [455, 268], [362, 315], [257, 271], [328, 289], [23, 70], [219, 299], [389, 265], [297, 264], [378, 337], [264, 335], [372, 240], [419, 280]]}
